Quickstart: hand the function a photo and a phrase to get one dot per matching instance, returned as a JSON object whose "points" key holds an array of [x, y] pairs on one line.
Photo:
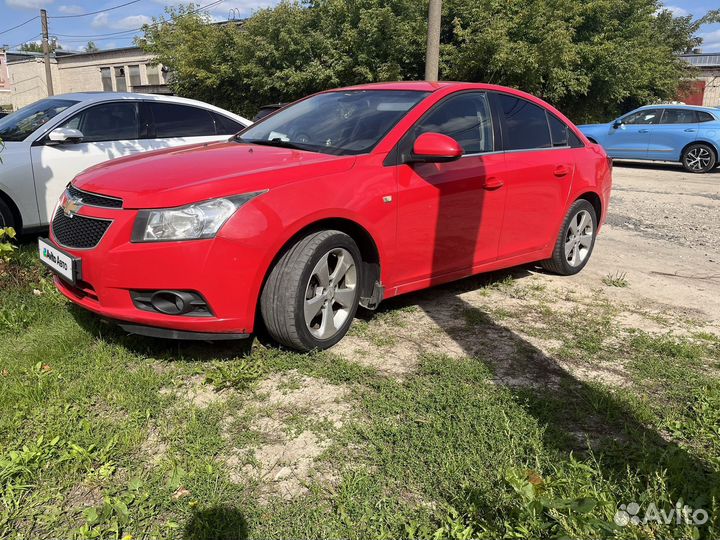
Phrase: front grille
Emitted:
{"points": [[78, 232], [93, 199]]}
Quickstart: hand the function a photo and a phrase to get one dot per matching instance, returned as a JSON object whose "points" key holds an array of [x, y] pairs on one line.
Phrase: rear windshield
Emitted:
{"points": [[20, 124]]}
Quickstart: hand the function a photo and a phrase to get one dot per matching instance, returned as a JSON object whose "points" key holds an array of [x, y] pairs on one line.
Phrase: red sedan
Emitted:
{"points": [[344, 198]]}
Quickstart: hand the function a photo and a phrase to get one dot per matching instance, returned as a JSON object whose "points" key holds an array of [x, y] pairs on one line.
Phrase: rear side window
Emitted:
{"points": [[226, 126], [679, 116], [561, 134], [705, 117], [466, 118], [173, 120], [526, 124], [107, 122]]}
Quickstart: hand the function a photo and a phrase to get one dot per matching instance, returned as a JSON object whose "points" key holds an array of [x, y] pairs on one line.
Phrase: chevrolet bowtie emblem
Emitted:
{"points": [[71, 206]]}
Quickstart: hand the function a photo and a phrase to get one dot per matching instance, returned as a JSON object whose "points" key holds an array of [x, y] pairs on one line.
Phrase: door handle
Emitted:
{"points": [[644, 131], [493, 183], [561, 170], [689, 130]]}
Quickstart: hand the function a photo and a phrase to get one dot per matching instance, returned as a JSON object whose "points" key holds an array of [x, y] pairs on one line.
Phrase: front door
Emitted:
{"points": [[630, 140], [449, 214]]}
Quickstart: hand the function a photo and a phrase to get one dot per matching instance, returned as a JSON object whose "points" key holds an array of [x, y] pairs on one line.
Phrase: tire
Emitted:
{"points": [[6, 216], [567, 263], [299, 288], [699, 158]]}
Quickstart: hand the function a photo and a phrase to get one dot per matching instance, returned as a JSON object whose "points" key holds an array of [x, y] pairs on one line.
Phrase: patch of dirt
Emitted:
{"points": [[153, 447], [287, 460], [82, 496], [195, 392]]}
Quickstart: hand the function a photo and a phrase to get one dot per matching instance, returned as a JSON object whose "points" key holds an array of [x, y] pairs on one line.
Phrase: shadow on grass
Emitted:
{"points": [[219, 523]]}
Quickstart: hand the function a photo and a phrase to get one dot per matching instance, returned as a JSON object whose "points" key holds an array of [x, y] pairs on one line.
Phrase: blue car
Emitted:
{"points": [[682, 133]]}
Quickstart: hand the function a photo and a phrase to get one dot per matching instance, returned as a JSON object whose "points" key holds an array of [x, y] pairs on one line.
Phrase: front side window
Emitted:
{"points": [[225, 125], [107, 122], [679, 116], [346, 122], [172, 120], [644, 117], [466, 118], [18, 125], [526, 124]]}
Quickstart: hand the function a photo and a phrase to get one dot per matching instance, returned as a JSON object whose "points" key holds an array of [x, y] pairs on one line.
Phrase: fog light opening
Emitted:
{"points": [[172, 302]]}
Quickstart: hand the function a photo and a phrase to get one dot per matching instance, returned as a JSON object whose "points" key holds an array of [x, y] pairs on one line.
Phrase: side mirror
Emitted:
{"points": [[435, 148], [617, 124], [62, 135]]}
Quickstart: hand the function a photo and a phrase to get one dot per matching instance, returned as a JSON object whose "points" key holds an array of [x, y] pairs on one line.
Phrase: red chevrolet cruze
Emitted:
{"points": [[341, 199]]}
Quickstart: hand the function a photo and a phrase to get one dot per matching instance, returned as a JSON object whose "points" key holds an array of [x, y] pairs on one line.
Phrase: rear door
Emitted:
{"points": [[678, 127], [632, 138], [176, 124], [539, 172], [110, 130]]}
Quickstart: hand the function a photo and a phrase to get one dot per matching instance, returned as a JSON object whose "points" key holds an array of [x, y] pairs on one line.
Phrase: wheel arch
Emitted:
{"points": [[366, 244], [594, 199], [17, 216], [711, 144]]}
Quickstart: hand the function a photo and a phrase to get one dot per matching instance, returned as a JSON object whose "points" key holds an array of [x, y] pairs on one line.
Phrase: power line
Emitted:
{"points": [[25, 41], [94, 12], [19, 25], [95, 35]]}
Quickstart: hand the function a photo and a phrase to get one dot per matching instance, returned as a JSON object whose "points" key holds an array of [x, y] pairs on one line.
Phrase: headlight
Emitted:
{"points": [[192, 222]]}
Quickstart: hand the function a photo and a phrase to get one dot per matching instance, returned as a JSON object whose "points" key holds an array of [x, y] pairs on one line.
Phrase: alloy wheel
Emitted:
{"points": [[330, 294], [698, 159], [579, 238]]}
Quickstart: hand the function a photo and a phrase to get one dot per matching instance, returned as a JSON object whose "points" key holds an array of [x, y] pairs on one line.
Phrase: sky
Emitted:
{"points": [[110, 24]]}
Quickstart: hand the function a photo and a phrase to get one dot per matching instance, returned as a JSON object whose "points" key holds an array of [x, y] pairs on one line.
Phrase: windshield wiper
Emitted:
{"points": [[276, 142]]}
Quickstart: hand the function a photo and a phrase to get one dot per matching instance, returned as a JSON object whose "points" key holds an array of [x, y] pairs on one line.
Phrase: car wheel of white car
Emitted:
{"points": [[6, 217], [699, 158]]}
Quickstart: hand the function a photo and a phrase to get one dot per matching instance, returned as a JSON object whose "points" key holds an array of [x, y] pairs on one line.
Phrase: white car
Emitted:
{"points": [[47, 143]]}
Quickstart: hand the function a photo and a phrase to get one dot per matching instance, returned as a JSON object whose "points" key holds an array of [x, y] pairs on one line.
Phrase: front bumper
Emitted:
{"points": [[220, 269]]}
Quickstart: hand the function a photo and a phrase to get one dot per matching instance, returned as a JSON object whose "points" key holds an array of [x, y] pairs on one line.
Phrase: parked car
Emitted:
{"points": [[688, 134], [267, 110], [344, 198], [50, 141], [3, 114]]}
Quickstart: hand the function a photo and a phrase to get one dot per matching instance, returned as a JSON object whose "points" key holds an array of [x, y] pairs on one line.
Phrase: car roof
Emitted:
{"points": [[420, 86], [679, 106], [99, 97]]}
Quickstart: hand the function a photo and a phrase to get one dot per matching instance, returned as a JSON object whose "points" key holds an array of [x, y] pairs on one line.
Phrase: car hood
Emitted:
{"points": [[175, 177]]}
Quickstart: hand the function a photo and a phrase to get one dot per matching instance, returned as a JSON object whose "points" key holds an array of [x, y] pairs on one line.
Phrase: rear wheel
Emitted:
{"points": [[576, 240], [312, 293], [699, 158]]}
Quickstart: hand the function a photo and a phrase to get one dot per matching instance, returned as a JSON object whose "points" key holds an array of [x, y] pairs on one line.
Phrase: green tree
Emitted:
{"points": [[91, 47], [36, 46], [591, 58]]}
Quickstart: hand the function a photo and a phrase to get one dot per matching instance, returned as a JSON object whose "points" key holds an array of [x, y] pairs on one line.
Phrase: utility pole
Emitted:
{"points": [[432, 58], [46, 52]]}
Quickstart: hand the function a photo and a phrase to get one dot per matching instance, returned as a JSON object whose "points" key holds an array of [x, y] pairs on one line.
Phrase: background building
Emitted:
{"points": [[128, 69], [705, 88]]}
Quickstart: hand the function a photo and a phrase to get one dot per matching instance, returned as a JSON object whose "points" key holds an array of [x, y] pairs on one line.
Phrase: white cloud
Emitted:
{"points": [[677, 11], [71, 10], [28, 4], [230, 8], [711, 41], [103, 21]]}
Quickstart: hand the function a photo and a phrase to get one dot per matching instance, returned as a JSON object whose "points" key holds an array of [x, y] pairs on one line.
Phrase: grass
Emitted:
{"points": [[101, 438], [618, 279]]}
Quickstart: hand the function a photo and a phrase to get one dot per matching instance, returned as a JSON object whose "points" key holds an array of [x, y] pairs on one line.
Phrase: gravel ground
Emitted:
{"points": [[666, 203]]}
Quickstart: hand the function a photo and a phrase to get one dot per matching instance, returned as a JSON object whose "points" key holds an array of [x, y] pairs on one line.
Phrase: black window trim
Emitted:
{"points": [[495, 105], [43, 140]]}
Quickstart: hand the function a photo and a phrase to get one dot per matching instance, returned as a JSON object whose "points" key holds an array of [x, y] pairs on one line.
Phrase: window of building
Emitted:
{"points": [[466, 118], [134, 74], [120, 81], [526, 124], [153, 74], [106, 77], [679, 116], [173, 120], [107, 122]]}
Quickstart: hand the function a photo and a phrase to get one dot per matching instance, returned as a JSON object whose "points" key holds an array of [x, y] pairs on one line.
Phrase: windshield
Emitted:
{"points": [[18, 125], [342, 123]]}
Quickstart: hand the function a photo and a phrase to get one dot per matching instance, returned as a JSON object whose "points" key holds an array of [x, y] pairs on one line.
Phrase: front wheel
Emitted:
{"points": [[313, 291], [699, 158], [576, 240]]}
